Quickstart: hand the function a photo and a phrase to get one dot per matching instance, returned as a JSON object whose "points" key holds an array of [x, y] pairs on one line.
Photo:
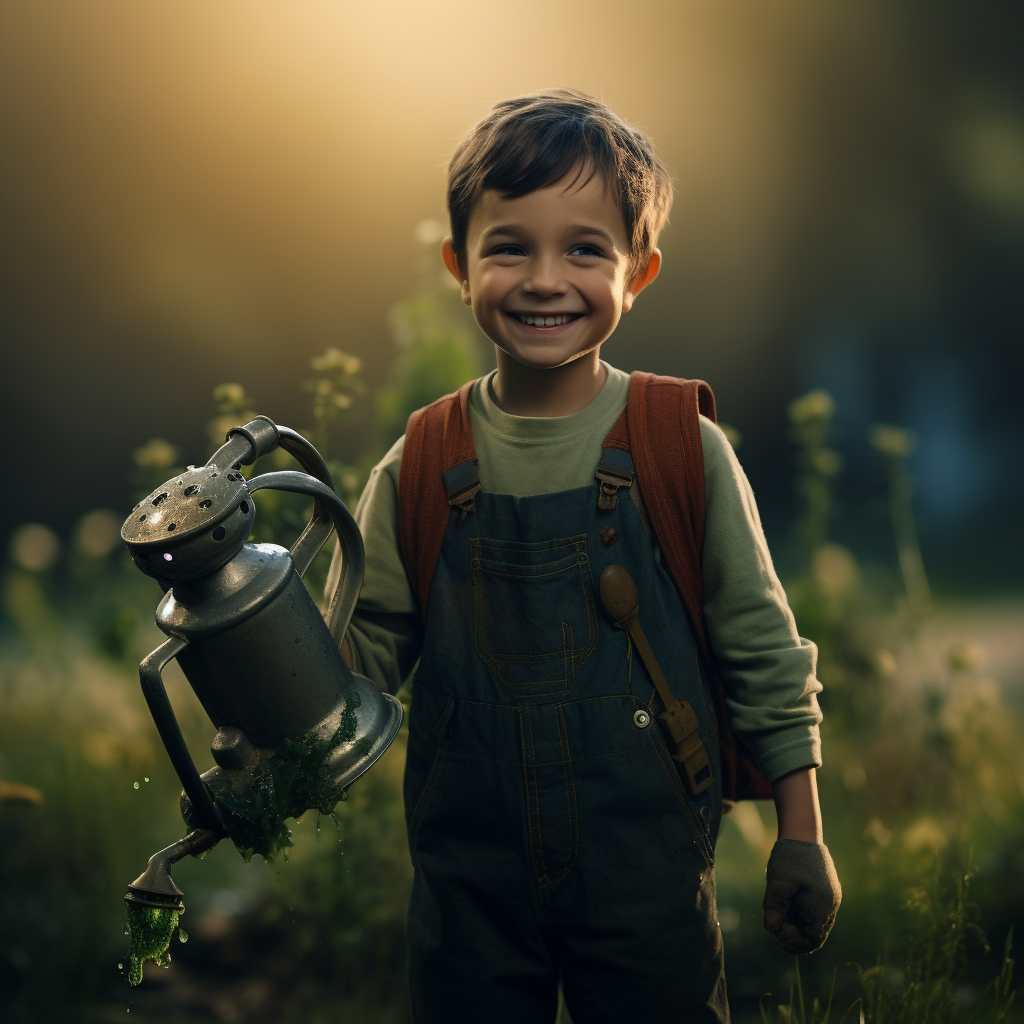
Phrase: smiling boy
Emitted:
{"points": [[555, 835]]}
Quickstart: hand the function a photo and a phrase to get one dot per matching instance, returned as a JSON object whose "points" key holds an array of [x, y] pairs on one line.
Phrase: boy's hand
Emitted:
{"points": [[802, 895]]}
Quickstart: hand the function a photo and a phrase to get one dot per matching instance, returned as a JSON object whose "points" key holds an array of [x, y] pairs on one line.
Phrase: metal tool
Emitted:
{"points": [[249, 637], [619, 596]]}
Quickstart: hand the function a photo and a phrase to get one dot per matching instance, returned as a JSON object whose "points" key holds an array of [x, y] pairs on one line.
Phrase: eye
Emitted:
{"points": [[508, 250], [586, 250]]}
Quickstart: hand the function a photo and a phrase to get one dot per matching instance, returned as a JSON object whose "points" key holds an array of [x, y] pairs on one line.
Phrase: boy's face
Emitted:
{"points": [[547, 274]]}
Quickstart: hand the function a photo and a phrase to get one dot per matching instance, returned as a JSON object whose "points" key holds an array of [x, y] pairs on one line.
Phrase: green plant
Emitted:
{"points": [[916, 983], [896, 446]]}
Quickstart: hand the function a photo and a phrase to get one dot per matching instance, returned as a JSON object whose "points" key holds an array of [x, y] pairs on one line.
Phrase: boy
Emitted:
{"points": [[554, 837]]}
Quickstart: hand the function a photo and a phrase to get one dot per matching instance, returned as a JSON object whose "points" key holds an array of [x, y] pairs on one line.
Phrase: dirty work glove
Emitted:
{"points": [[802, 895]]}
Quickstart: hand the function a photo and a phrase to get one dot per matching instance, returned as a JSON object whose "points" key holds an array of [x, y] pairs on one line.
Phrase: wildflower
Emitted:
{"points": [[34, 547], [884, 663], [877, 833], [815, 405], [826, 461], [892, 441], [925, 833], [231, 395], [834, 570], [334, 361], [98, 533], [732, 435], [156, 454], [967, 657], [855, 778]]}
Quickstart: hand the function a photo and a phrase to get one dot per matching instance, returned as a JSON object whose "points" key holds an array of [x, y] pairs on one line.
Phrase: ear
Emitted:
{"points": [[451, 261], [641, 280]]}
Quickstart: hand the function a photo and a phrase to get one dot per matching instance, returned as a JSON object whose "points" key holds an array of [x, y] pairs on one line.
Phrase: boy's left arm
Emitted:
{"points": [[802, 894], [769, 671]]}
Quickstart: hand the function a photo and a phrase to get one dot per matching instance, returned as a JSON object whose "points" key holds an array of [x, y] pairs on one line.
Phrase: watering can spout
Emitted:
{"points": [[155, 887]]}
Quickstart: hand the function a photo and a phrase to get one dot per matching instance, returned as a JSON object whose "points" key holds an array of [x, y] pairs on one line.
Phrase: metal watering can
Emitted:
{"points": [[255, 648]]}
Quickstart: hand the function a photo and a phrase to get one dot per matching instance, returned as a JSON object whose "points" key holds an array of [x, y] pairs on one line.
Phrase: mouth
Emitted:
{"points": [[548, 323]]}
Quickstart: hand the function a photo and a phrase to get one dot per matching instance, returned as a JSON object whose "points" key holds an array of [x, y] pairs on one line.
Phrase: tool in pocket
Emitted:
{"points": [[619, 596]]}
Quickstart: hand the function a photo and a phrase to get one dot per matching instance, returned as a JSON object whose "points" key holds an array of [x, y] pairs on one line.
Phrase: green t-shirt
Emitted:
{"points": [[767, 668]]}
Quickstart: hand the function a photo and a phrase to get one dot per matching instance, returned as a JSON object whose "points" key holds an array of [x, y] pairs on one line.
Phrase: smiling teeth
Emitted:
{"points": [[544, 321]]}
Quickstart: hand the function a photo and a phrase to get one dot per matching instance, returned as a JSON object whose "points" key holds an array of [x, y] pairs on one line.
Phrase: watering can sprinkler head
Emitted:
{"points": [[196, 522]]}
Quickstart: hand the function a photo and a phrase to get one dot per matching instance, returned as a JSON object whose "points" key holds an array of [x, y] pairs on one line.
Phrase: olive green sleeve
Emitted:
{"points": [[767, 668], [386, 634]]}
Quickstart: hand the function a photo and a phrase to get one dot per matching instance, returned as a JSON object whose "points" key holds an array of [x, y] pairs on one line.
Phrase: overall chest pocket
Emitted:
{"points": [[533, 611]]}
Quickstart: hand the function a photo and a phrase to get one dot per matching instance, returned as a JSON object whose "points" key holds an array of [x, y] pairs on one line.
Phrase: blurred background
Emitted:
{"points": [[250, 197]]}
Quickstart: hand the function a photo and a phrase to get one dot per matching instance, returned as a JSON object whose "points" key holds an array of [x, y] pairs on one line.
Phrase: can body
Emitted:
{"points": [[260, 657]]}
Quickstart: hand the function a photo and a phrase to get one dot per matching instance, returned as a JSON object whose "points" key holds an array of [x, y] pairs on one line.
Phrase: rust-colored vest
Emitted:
{"points": [[660, 429]]}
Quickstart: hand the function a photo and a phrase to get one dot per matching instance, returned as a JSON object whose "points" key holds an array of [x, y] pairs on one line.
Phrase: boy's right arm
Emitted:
{"points": [[385, 635]]}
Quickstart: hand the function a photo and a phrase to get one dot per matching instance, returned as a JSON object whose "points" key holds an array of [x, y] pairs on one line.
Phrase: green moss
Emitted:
{"points": [[297, 778], [149, 937]]}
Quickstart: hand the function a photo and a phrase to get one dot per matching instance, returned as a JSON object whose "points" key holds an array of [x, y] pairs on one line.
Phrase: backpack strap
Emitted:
{"points": [[660, 428], [433, 479]]}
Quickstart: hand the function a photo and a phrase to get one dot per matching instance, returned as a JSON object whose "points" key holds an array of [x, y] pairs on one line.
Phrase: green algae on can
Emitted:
{"points": [[295, 779], [149, 937]]}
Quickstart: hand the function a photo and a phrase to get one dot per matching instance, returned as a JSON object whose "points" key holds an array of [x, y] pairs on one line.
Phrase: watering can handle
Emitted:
{"points": [[343, 600], [260, 436], [150, 675]]}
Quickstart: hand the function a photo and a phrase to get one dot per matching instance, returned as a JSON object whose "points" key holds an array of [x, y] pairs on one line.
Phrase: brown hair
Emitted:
{"points": [[535, 141]]}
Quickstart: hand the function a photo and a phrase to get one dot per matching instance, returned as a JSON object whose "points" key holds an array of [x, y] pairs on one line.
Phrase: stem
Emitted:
{"points": [[904, 528]]}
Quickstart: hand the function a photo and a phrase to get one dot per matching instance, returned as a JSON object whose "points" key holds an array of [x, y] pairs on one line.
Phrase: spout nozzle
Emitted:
{"points": [[155, 887]]}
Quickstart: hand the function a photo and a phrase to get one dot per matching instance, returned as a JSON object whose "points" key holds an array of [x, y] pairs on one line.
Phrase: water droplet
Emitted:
{"points": [[135, 785], [344, 794], [120, 967], [182, 935], [145, 778]]}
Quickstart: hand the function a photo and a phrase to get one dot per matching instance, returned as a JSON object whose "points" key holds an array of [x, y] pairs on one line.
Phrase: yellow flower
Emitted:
{"points": [[892, 441], [34, 547], [334, 359], [815, 405], [156, 454]]}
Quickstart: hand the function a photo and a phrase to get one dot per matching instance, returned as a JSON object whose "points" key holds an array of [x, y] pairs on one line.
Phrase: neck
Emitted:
{"points": [[532, 391]]}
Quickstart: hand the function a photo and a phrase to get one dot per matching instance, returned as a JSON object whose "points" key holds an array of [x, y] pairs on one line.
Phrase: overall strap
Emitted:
{"points": [[437, 439], [615, 471]]}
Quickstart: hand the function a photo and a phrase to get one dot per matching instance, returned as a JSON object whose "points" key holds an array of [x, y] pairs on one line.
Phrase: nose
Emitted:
{"points": [[544, 277]]}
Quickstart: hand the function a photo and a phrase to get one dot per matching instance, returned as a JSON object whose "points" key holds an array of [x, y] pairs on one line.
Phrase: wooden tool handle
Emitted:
{"points": [[619, 596]]}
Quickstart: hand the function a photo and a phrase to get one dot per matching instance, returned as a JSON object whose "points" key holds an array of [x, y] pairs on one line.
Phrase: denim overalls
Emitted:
{"points": [[551, 834]]}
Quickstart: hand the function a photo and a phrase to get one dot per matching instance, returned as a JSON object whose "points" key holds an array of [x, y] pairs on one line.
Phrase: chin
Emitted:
{"points": [[542, 361]]}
